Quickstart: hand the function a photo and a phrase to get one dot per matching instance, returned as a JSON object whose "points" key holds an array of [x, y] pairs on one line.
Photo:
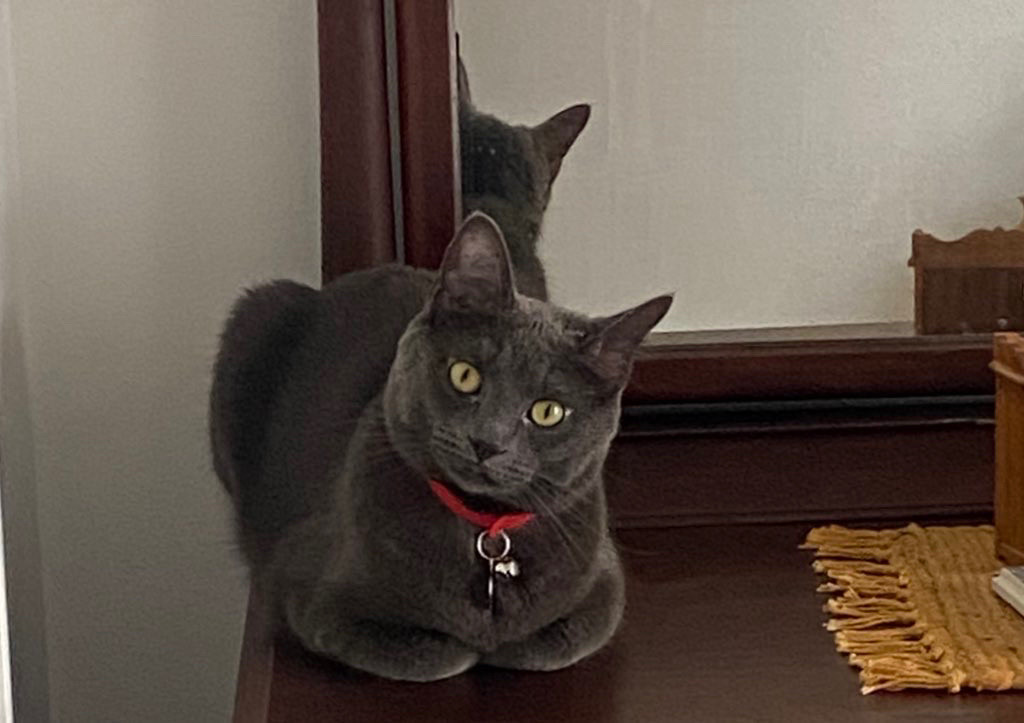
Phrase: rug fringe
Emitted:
{"points": [[874, 622]]}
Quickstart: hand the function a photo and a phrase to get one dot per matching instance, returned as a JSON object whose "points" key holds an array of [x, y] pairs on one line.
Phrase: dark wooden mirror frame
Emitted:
{"points": [[359, 229]]}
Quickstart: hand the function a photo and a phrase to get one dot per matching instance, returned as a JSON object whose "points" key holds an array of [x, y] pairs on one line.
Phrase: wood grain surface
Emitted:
{"points": [[722, 625]]}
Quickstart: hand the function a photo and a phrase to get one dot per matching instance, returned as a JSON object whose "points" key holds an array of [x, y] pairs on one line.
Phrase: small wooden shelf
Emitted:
{"points": [[972, 284]]}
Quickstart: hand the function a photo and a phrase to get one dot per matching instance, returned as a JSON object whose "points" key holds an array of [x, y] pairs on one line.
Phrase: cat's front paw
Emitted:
{"points": [[570, 639], [400, 652], [550, 649], [393, 651]]}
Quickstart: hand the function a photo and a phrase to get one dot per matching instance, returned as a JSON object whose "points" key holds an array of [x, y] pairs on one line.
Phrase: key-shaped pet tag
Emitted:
{"points": [[498, 560]]}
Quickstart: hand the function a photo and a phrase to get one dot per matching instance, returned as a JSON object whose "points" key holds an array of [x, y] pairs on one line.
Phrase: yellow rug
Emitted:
{"points": [[914, 607]]}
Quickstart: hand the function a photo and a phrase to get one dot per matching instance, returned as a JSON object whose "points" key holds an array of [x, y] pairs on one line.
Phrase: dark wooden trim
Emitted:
{"points": [[355, 177], [810, 462], [875, 360], [427, 100]]}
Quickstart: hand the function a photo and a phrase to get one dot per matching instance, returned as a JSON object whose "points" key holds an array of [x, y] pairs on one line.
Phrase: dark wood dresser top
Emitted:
{"points": [[722, 625]]}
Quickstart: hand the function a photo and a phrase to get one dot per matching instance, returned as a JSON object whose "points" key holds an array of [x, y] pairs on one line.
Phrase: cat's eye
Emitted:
{"points": [[464, 377], [547, 413]]}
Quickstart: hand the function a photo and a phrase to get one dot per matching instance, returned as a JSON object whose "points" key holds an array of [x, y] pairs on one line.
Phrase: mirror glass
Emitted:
{"points": [[766, 160]]}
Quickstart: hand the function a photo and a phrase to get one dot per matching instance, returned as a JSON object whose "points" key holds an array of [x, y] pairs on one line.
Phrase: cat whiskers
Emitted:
{"points": [[450, 446], [549, 516]]}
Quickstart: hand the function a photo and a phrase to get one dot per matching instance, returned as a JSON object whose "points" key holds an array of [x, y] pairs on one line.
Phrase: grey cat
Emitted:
{"points": [[507, 172], [336, 415]]}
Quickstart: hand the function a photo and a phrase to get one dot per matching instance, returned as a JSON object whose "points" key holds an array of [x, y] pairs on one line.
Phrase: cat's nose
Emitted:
{"points": [[484, 450]]}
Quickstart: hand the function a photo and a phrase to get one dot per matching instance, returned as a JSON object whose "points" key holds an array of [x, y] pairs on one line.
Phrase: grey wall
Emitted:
{"points": [[168, 156], [24, 587]]}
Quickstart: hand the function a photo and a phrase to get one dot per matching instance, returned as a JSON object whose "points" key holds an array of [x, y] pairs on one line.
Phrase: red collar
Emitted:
{"points": [[490, 522]]}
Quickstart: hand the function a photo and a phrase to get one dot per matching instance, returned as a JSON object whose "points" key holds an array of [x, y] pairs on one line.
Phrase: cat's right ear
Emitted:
{"points": [[476, 274], [556, 135], [609, 351], [463, 84]]}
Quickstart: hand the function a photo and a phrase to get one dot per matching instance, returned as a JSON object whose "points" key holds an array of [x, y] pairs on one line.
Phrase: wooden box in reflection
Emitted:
{"points": [[974, 284], [1008, 364]]}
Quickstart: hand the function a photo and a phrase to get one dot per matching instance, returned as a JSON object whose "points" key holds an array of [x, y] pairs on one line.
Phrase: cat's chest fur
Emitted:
{"points": [[404, 554]]}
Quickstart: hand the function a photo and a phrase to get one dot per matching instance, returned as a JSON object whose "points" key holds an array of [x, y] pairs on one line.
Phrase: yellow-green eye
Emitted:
{"points": [[464, 377], [547, 413]]}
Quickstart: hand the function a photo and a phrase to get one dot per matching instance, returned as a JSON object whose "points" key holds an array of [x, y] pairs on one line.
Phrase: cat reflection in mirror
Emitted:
{"points": [[508, 171], [415, 460]]}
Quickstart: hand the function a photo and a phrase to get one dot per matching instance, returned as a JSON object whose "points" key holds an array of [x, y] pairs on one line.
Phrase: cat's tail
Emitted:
{"points": [[265, 326]]}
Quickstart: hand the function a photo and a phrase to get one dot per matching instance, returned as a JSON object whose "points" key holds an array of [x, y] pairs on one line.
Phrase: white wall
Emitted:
{"points": [[767, 159], [168, 156]]}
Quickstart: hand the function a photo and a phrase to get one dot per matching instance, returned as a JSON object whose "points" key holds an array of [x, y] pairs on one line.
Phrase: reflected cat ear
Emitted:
{"points": [[476, 275], [609, 350], [463, 84], [556, 135]]}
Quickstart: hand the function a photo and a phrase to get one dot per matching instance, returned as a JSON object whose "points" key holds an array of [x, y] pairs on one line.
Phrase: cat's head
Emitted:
{"points": [[512, 165], [502, 396]]}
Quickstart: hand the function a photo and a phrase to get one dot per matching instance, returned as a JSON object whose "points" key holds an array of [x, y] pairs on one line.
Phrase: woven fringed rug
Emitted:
{"points": [[914, 607]]}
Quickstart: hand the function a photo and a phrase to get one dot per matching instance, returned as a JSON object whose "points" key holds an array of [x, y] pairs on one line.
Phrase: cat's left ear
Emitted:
{"points": [[609, 349], [476, 275], [556, 135]]}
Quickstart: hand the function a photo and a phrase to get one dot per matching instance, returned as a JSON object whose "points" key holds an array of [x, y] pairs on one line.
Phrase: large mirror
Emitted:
{"points": [[766, 160]]}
